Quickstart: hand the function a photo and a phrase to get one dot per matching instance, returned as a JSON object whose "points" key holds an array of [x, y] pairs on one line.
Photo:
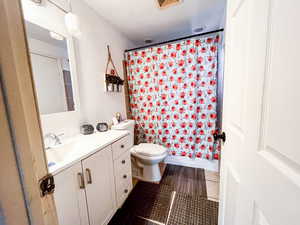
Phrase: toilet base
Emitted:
{"points": [[149, 174], [152, 173], [147, 168]]}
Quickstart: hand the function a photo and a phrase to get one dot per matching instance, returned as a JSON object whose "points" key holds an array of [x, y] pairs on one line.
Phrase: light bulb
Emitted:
{"points": [[72, 24]]}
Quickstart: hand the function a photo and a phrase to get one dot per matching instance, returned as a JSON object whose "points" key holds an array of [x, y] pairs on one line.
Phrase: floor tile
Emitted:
{"points": [[147, 200], [193, 210]]}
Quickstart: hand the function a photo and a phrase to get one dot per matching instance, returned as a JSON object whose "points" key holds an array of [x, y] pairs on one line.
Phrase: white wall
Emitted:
{"points": [[96, 104]]}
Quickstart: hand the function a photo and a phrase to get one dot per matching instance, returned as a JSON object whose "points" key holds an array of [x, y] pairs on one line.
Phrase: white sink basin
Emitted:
{"points": [[79, 147]]}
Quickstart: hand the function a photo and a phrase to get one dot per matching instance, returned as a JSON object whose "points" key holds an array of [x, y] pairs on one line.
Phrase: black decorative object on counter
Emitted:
{"points": [[101, 127], [87, 129]]}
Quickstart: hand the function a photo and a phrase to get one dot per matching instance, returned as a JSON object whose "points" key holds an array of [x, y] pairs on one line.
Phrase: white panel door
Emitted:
{"points": [[100, 187], [49, 84], [69, 196], [260, 169]]}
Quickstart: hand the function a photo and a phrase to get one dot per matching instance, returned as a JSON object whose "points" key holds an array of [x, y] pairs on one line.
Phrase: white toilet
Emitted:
{"points": [[145, 157]]}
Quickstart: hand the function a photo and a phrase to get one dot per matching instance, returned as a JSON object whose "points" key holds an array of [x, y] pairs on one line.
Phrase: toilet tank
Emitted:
{"points": [[126, 125]]}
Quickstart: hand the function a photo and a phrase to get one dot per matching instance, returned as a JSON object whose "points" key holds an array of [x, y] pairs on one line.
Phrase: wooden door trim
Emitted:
{"points": [[23, 114], [126, 90], [11, 194]]}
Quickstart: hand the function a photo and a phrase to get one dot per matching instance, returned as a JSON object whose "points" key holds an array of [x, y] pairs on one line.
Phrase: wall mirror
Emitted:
{"points": [[51, 69]]}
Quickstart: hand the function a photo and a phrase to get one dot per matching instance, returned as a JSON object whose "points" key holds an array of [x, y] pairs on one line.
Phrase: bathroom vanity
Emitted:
{"points": [[92, 174]]}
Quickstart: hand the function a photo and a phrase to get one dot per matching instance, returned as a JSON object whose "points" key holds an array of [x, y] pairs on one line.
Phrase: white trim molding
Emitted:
{"points": [[212, 165]]}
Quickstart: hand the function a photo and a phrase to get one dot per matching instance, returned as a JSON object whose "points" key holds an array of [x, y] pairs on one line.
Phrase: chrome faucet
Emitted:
{"points": [[54, 138]]}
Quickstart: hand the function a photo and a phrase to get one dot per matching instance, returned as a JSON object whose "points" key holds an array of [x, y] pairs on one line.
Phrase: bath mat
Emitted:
{"points": [[193, 210], [151, 201], [185, 180]]}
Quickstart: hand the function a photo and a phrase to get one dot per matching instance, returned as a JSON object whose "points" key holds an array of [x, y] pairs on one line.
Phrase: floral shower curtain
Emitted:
{"points": [[173, 97]]}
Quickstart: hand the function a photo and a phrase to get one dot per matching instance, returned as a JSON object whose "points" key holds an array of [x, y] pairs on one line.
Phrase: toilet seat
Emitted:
{"points": [[149, 150]]}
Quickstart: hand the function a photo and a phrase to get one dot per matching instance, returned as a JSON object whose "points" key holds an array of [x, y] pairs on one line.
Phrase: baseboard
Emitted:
{"points": [[212, 165]]}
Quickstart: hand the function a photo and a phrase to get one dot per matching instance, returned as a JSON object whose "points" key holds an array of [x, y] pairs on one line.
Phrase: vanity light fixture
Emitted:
{"points": [[56, 36], [72, 24], [71, 20]]}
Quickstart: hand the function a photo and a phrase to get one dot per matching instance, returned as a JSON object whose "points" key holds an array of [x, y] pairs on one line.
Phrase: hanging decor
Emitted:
{"points": [[112, 79]]}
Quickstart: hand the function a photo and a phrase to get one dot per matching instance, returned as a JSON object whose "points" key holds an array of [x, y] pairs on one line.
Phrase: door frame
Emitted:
{"points": [[13, 209], [23, 133]]}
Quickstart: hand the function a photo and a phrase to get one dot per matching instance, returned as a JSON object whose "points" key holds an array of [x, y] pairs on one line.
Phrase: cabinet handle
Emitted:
{"points": [[124, 176], [126, 191], [123, 161], [88, 175], [80, 180], [122, 146]]}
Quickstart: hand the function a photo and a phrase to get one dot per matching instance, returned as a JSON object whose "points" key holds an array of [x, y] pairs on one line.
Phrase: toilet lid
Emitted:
{"points": [[149, 149]]}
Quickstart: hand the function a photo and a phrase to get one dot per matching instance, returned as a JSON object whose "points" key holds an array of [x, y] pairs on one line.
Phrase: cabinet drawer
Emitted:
{"points": [[120, 146], [123, 163], [122, 178], [123, 194]]}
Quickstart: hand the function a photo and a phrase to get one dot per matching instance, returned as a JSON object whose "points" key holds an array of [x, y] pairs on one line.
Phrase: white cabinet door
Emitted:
{"points": [[100, 187], [70, 198], [260, 169]]}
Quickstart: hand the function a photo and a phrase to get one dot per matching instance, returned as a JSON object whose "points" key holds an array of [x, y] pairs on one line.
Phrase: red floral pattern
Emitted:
{"points": [[173, 99]]}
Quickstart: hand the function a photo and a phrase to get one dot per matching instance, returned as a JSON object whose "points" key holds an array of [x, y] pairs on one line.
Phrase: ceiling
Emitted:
{"points": [[142, 19]]}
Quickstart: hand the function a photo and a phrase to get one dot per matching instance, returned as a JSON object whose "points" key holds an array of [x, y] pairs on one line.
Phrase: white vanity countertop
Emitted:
{"points": [[80, 147]]}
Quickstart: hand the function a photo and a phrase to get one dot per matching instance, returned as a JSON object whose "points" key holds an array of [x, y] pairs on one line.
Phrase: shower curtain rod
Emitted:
{"points": [[174, 40]]}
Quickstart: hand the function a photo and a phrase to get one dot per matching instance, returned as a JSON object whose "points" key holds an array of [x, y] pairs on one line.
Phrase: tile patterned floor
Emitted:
{"points": [[193, 210], [185, 196]]}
